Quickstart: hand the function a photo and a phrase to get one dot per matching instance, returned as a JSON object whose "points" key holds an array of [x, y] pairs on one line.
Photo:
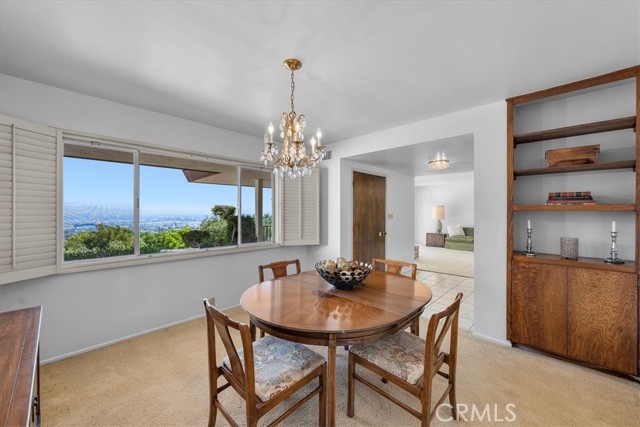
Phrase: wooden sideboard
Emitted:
{"points": [[20, 367]]}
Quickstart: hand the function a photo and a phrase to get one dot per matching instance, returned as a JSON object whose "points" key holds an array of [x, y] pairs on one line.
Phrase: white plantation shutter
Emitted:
{"points": [[301, 210], [28, 200]]}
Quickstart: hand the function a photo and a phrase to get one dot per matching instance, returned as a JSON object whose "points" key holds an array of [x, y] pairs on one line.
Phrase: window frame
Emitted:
{"points": [[274, 180], [135, 147]]}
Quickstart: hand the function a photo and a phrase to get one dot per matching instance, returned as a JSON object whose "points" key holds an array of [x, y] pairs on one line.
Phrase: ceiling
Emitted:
{"points": [[412, 159], [367, 65]]}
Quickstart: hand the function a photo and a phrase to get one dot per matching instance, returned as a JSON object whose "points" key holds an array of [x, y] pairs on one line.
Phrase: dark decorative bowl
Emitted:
{"points": [[345, 279]]}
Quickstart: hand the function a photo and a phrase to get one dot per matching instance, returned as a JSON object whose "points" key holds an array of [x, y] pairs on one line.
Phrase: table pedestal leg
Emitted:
{"points": [[331, 381]]}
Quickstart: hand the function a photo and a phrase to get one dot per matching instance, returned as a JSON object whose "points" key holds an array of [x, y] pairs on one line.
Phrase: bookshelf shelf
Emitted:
{"points": [[626, 207], [576, 130], [622, 164]]}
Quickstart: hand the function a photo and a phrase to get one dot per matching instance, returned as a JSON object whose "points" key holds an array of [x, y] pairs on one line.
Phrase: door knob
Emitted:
{"points": [[382, 233]]}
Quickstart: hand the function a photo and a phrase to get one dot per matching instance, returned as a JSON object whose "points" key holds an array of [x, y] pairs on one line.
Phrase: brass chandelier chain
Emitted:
{"points": [[293, 88]]}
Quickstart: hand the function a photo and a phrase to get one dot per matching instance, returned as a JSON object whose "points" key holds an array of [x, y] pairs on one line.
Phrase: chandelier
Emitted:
{"points": [[293, 158], [438, 164]]}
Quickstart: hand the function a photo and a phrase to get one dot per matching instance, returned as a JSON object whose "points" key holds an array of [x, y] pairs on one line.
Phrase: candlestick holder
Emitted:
{"points": [[613, 259], [529, 251]]}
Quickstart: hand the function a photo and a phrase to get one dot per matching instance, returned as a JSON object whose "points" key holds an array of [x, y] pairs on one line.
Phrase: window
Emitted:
{"points": [[98, 202], [123, 200], [70, 201]]}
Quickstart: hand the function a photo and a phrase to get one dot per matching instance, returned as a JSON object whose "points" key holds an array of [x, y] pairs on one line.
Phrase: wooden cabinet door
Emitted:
{"points": [[603, 318], [538, 306]]}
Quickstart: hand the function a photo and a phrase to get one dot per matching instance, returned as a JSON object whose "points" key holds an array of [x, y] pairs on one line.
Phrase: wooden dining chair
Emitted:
{"points": [[411, 363], [396, 266], [278, 268], [264, 373]]}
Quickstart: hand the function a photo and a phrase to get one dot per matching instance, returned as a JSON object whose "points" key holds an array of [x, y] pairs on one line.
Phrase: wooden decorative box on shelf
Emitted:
{"points": [[585, 155], [585, 310]]}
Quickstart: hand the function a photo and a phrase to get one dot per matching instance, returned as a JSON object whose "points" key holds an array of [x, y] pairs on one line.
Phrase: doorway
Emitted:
{"points": [[369, 211]]}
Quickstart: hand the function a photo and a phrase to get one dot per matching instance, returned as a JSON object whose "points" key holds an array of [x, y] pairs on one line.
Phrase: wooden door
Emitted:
{"points": [[368, 216], [602, 318], [538, 306]]}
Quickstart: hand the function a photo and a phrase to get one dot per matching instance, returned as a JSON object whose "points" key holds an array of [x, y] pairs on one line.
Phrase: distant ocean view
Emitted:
{"points": [[78, 219]]}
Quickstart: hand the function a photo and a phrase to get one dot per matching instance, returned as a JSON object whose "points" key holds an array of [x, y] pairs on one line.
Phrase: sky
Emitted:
{"points": [[108, 186]]}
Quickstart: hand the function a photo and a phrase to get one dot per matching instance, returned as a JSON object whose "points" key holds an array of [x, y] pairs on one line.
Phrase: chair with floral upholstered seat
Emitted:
{"points": [[411, 363], [264, 373]]}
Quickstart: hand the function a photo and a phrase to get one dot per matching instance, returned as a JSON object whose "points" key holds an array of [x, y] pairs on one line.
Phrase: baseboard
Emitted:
{"points": [[128, 337], [482, 337]]}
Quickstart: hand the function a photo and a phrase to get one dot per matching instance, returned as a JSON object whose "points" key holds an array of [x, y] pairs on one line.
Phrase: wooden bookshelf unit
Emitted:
{"points": [[585, 310]]}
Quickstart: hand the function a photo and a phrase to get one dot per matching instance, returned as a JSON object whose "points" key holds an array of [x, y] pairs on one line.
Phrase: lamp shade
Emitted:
{"points": [[438, 212]]}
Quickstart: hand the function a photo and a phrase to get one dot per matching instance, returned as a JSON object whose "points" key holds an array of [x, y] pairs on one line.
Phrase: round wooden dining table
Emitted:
{"points": [[305, 308]]}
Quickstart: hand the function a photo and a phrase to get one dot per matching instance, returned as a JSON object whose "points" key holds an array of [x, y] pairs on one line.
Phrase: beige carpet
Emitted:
{"points": [[449, 261], [160, 379]]}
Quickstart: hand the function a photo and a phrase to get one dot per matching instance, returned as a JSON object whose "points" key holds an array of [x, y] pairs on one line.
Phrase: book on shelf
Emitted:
{"points": [[572, 198], [570, 202], [570, 194]]}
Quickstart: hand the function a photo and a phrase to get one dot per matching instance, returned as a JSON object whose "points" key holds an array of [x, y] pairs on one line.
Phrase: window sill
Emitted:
{"points": [[133, 260]]}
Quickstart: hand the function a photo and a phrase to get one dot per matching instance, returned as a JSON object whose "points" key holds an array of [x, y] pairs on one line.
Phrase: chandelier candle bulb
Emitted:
{"points": [[613, 226], [528, 224]]}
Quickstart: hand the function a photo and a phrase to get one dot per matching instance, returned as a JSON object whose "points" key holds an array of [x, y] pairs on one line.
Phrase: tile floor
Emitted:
{"points": [[445, 287]]}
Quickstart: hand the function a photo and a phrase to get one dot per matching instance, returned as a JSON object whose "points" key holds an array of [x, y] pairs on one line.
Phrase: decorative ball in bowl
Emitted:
{"points": [[343, 274]]}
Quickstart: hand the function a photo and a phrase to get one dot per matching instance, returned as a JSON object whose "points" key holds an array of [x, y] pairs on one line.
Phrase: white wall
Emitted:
{"points": [[488, 126], [130, 300], [454, 191], [82, 310], [85, 309]]}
